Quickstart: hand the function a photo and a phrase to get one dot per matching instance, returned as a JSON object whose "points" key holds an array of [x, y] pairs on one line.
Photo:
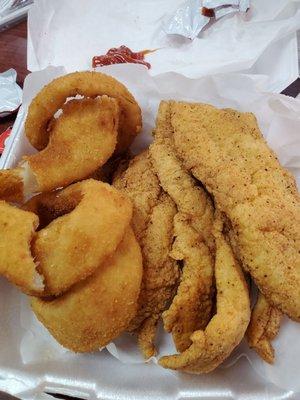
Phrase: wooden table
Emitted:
{"points": [[13, 50]]}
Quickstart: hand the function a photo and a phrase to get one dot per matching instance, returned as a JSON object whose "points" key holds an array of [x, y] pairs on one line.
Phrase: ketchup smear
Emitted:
{"points": [[121, 55]]}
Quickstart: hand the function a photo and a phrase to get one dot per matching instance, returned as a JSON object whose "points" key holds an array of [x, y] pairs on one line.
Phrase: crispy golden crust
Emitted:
{"points": [[11, 185], [17, 229], [263, 328], [153, 213], [97, 310], [191, 307], [225, 150], [82, 139], [227, 328], [88, 84], [73, 245]]}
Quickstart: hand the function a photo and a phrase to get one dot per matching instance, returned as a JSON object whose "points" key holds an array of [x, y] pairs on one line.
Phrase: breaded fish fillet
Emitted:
{"points": [[210, 347], [152, 222], [263, 328], [192, 306], [225, 150]]}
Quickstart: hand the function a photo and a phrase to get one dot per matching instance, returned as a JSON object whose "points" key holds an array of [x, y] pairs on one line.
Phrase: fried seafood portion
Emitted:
{"points": [[192, 306], [152, 222], [225, 150], [210, 347], [263, 328], [97, 310]]}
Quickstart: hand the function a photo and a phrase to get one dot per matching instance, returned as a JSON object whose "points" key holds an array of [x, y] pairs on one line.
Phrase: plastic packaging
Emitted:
{"points": [[12, 11], [193, 15], [10, 93]]}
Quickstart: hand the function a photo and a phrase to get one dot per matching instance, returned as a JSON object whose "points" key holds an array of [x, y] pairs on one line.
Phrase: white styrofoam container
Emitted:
{"points": [[101, 376]]}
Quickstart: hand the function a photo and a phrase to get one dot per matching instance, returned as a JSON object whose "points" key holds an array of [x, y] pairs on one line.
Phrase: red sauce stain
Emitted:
{"points": [[121, 55]]}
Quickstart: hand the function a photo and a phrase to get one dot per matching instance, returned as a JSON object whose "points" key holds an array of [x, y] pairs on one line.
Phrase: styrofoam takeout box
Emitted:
{"points": [[30, 362]]}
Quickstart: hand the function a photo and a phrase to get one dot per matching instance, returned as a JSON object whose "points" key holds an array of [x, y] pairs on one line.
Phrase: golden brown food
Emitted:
{"points": [[82, 139], [88, 84], [225, 150], [97, 310], [17, 230], [74, 245], [12, 185], [152, 222], [192, 306], [210, 347], [263, 328]]}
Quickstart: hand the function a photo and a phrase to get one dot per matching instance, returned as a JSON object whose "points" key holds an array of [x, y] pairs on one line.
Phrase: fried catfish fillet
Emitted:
{"points": [[263, 328], [192, 305], [210, 347], [152, 222], [225, 150]]}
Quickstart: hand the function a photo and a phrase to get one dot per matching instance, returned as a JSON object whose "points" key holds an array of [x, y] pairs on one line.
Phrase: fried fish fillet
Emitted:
{"points": [[152, 222], [192, 306], [98, 309], [210, 347], [225, 150], [263, 328]]}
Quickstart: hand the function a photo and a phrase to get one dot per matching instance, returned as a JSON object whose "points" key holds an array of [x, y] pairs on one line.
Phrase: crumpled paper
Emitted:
{"points": [[10, 92], [70, 32], [279, 120], [188, 20]]}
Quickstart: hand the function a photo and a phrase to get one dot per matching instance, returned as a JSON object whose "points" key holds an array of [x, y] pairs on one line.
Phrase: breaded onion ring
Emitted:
{"points": [[88, 84], [16, 262], [81, 226], [98, 309], [82, 140], [73, 245]]}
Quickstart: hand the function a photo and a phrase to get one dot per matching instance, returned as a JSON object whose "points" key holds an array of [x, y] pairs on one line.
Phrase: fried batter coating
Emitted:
{"points": [[191, 307], [12, 185], [225, 150], [97, 310], [73, 245], [227, 328], [263, 328], [88, 84], [82, 138], [17, 229], [153, 213]]}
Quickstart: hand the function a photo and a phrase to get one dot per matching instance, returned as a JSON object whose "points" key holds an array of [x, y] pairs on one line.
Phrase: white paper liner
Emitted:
{"points": [[10, 92], [279, 120], [71, 32]]}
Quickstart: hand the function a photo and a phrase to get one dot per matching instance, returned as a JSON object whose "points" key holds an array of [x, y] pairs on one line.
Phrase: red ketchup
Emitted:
{"points": [[4, 135], [121, 55]]}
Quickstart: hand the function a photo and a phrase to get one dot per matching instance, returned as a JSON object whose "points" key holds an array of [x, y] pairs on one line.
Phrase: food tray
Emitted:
{"points": [[100, 375]]}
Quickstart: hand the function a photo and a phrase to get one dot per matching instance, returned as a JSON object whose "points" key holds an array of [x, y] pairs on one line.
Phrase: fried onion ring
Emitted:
{"points": [[82, 139], [16, 262], [97, 310], [88, 84], [81, 226]]}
